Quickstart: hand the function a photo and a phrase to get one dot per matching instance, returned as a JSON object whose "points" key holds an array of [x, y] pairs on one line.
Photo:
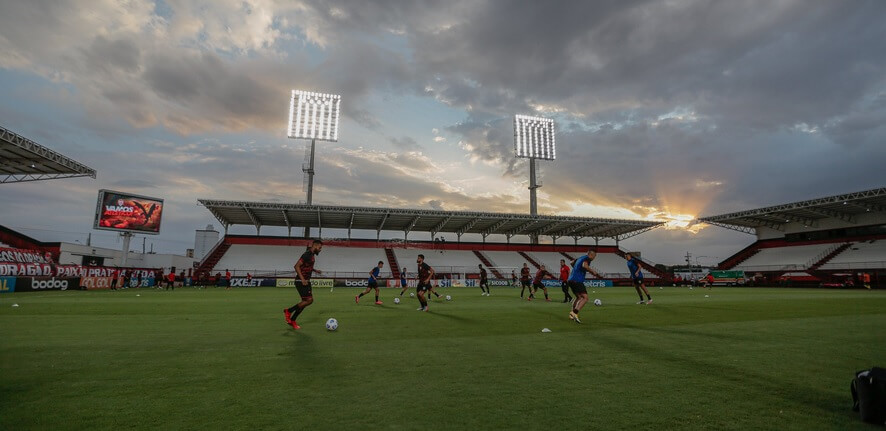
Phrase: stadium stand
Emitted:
{"points": [[821, 237], [786, 258], [267, 260], [450, 261], [869, 254]]}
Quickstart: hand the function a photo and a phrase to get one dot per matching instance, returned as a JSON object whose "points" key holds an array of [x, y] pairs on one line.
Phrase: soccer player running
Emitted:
{"points": [[484, 280], [425, 274], [576, 282], [537, 284], [564, 281], [303, 270], [524, 280], [637, 278], [403, 281], [373, 283]]}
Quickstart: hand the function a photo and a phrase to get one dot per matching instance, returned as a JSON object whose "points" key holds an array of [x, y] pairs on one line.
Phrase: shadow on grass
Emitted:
{"points": [[786, 390]]}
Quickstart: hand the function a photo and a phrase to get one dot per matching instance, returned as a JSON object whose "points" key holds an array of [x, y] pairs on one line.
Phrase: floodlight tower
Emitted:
{"points": [[313, 116], [534, 139]]}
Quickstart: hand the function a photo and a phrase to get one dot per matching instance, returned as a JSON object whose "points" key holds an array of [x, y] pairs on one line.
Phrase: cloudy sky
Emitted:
{"points": [[664, 109]]}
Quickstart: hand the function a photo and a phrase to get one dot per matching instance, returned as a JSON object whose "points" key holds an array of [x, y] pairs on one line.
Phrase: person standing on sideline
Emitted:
{"points": [[227, 279], [637, 278], [484, 280], [564, 279], [170, 280], [304, 268], [373, 283]]}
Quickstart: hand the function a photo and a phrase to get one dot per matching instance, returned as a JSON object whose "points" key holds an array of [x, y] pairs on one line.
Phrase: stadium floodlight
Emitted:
{"points": [[314, 116], [534, 139]]}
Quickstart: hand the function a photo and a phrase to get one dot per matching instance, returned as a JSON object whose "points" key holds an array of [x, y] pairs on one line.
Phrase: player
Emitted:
{"points": [[304, 267], [425, 274], [537, 284], [227, 279], [170, 280], [484, 280], [524, 280], [513, 278], [637, 278], [580, 268], [866, 280], [403, 281], [373, 283], [564, 279], [708, 281]]}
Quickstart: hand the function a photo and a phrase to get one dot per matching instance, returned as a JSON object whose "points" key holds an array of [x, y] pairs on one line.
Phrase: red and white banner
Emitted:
{"points": [[18, 255]]}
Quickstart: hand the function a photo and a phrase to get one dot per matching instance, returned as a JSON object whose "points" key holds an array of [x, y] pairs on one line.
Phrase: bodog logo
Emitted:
{"points": [[52, 283], [499, 282], [356, 283]]}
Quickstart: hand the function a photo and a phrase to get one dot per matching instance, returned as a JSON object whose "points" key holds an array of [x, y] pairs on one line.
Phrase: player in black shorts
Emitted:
{"points": [[425, 274], [524, 280], [484, 281], [372, 283], [537, 284], [304, 268]]}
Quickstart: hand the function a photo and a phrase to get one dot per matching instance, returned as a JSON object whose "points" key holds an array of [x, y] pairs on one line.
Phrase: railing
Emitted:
{"points": [[459, 271], [822, 255], [876, 264]]}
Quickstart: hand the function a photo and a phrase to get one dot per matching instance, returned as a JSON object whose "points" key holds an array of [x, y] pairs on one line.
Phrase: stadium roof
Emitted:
{"points": [[22, 159], [846, 207], [260, 214]]}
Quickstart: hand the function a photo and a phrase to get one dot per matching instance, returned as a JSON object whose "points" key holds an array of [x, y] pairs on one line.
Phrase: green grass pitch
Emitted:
{"points": [[223, 359]]}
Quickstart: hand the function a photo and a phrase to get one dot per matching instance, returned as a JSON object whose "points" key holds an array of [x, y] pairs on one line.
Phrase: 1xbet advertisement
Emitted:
{"points": [[128, 212]]}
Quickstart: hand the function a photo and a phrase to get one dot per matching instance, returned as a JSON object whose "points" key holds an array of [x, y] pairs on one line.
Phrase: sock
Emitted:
{"points": [[648, 296], [546, 295], [295, 312], [575, 311], [376, 298], [361, 295]]}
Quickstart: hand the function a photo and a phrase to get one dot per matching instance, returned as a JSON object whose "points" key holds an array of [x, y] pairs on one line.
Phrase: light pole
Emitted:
{"points": [[534, 139], [313, 116]]}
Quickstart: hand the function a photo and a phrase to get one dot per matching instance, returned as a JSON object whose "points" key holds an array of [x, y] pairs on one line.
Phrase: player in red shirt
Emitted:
{"points": [[170, 280], [524, 280], [537, 284], [564, 277], [425, 274], [304, 268]]}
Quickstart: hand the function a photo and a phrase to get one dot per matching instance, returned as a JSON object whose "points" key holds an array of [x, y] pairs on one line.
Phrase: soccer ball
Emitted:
{"points": [[448, 298], [412, 294], [396, 300], [598, 302], [331, 324]]}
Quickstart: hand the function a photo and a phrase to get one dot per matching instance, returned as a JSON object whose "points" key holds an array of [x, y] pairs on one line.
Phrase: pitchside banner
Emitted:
{"points": [[21, 256], [316, 282], [255, 282], [119, 211], [7, 284], [38, 284], [588, 283]]}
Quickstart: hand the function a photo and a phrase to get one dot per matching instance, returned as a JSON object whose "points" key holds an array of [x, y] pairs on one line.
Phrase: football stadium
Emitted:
{"points": [[369, 312]]}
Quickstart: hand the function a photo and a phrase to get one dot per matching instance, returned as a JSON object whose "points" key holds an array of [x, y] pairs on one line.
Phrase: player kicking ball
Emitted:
{"points": [[425, 274], [580, 268], [303, 268], [403, 284], [637, 278], [373, 283], [537, 284]]}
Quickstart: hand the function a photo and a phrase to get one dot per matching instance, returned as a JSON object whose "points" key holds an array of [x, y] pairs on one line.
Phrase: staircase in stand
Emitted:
{"points": [[740, 257], [648, 268], [488, 264], [830, 255], [392, 263], [530, 259], [214, 255], [567, 256]]}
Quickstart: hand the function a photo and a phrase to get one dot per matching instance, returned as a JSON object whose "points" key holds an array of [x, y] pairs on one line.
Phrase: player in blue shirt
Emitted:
{"points": [[373, 283], [637, 278], [403, 281], [580, 268]]}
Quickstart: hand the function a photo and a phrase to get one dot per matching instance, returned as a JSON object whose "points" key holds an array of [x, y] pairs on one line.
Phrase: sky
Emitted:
{"points": [[664, 110]]}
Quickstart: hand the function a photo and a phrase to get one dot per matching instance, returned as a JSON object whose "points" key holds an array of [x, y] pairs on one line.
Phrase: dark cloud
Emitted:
{"points": [[405, 143]]}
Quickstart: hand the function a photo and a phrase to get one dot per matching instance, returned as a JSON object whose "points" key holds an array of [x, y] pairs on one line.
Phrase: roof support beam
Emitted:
{"points": [[520, 228], [834, 214], [350, 225], [464, 229], [411, 225], [254, 220], [439, 226], [288, 223], [491, 229], [319, 225]]}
